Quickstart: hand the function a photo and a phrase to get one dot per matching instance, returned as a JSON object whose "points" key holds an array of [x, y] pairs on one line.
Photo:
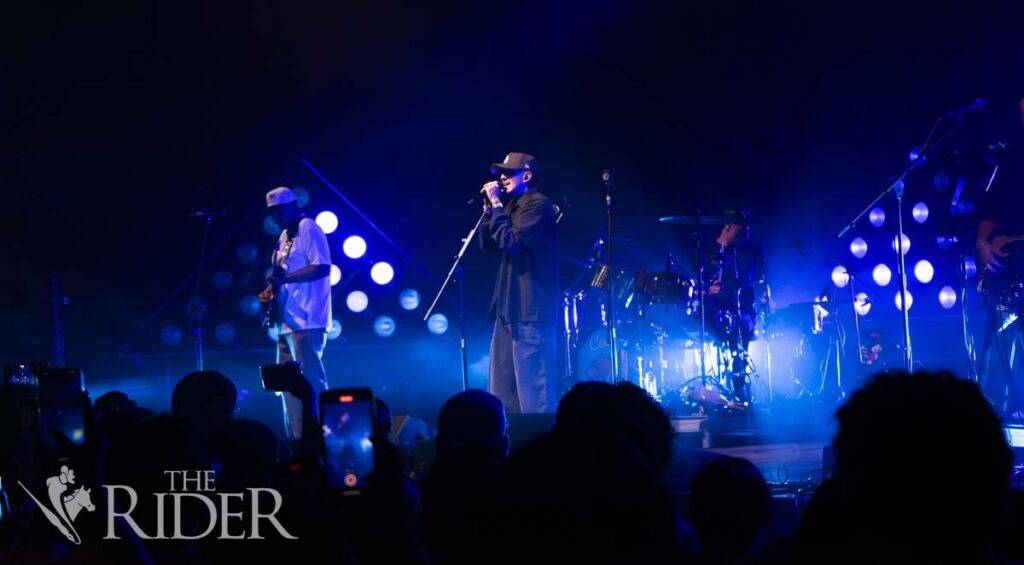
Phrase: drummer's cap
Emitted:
{"points": [[515, 162], [739, 217]]}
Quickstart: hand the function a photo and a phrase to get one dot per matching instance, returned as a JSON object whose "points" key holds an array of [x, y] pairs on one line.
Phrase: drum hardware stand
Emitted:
{"points": [[606, 178], [896, 188], [196, 309], [456, 271]]}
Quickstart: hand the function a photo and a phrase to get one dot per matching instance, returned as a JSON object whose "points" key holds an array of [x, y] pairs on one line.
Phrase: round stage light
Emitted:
{"points": [[224, 333], [906, 243], [437, 324], [947, 297], [924, 271], [272, 333], [301, 196], [270, 227], [940, 181], [334, 330], [327, 221], [876, 216], [915, 153], [920, 212], [970, 267], [249, 304], [945, 242], [382, 273], [840, 277], [201, 307], [881, 274], [409, 299], [354, 247], [335, 275], [859, 247], [170, 335], [246, 253], [899, 303], [222, 280], [384, 326], [357, 301], [862, 303]]}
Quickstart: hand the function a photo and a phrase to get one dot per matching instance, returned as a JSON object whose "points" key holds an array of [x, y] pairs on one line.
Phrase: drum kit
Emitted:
{"points": [[676, 337]]}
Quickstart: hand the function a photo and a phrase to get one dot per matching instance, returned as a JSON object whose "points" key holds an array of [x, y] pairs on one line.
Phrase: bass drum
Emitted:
{"points": [[593, 360]]}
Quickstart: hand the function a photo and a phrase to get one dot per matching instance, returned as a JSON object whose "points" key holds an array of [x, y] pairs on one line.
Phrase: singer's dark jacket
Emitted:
{"points": [[525, 233]]}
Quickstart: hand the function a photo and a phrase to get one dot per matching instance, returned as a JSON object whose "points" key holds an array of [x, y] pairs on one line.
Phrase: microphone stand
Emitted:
{"points": [[197, 311], [896, 189], [456, 271]]}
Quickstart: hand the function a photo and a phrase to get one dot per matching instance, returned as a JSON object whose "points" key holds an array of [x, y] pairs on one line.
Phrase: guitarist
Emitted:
{"points": [[298, 296], [999, 246]]}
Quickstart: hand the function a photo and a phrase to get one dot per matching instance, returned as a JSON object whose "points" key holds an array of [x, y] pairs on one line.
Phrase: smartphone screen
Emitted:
{"points": [[346, 416], [64, 413]]}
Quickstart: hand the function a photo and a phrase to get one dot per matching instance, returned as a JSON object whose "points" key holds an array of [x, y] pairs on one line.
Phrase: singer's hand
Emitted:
{"points": [[492, 191]]}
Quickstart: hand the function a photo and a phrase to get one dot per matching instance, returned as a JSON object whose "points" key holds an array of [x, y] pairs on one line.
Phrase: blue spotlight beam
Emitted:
{"points": [[896, 189], [369, 222]]}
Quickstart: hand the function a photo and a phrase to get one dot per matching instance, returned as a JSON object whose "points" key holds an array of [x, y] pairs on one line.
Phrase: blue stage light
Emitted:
{"points": [[899, 303], [335, 275], [947, 297], [876, 216], [840, 277], [409, 299], [357, 301], [246, 253], [270, 227], [201, 306], [970, 267], [249, 304], [859, 247], [301, 196], [382, 273], [224, 333], [862, 303], [272, 333], [924, 271], [354, 247], [170, 335], [906, 243], [437, 324], [384, 326], [327, 221], [881, 274], [334, 330], [222, 280], [920, 212]]}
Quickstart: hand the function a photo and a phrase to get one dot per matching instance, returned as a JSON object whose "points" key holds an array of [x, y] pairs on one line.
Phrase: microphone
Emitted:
{"points": [[204, 214], [977, 105]]}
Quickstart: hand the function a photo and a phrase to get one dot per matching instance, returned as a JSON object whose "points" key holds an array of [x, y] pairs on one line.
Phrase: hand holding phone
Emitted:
{"points": [[288, 378], [347, 419]]}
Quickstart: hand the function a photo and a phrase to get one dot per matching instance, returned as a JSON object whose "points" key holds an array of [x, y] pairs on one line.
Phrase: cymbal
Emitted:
{"points": [[695, 220]]}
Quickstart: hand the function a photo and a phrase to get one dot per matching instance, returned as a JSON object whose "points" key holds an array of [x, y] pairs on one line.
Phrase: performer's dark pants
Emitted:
{"points": [[523, 365], [306, 347]]}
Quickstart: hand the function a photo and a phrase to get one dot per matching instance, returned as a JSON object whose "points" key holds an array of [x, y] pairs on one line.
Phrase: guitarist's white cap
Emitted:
{"points": [[280, 195]]}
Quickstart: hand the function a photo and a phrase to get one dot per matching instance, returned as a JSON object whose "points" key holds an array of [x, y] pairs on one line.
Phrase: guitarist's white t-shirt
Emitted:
{"points": [[306, 305]]}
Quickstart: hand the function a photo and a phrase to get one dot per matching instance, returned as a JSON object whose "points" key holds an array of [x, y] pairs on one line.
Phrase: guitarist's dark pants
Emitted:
{"points": [[306, 347]]}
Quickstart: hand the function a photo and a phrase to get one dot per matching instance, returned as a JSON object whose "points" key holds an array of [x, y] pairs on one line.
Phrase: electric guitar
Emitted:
{"points": [[1006, 286], [272, 308]]}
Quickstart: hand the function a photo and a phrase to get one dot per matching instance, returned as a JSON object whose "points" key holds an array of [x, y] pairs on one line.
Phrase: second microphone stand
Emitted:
{"points": [[456, 271]]}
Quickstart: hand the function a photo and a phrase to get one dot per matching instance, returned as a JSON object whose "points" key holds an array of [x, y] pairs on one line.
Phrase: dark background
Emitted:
{"points": [[121, 118]]}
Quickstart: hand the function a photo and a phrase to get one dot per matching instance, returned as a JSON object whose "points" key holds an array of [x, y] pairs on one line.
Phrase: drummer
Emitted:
{"points": [[733, 274]]}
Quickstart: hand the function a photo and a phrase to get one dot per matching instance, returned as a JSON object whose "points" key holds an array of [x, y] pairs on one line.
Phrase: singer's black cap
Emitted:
{"points": [[515, 162]]}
